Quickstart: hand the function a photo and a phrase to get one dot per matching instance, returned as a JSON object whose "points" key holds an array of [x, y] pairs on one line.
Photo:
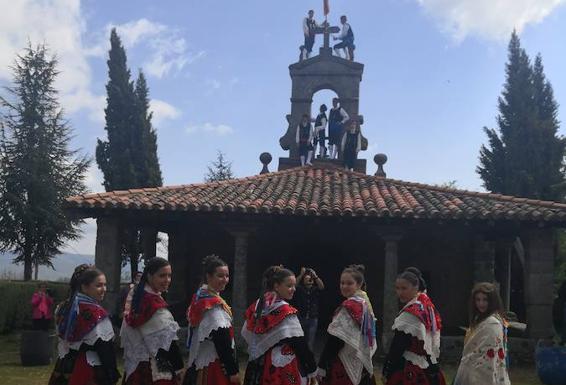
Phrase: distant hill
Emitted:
{"points": [[64, 265]]}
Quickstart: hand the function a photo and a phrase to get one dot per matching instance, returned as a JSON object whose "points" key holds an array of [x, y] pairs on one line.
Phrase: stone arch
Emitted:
{"points": [[313, 75]]}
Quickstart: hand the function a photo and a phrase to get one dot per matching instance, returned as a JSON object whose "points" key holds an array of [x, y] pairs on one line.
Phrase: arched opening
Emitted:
{"points": [[319, 98]]}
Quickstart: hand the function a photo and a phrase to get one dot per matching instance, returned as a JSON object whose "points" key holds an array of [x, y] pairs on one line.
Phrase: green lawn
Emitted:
{"points": [[12, 373]]}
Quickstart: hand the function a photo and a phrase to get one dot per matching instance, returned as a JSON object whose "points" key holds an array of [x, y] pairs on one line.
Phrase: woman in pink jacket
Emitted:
{"points": [[41, 303]]}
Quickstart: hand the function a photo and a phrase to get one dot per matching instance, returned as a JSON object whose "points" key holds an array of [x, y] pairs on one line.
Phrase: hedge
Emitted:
{"points": [[15, 302]]}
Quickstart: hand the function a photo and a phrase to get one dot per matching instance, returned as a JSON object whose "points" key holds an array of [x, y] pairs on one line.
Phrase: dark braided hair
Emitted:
{"points": [[151, 267], [273, 275], [209, 265], [410, 273], [358, 273]]}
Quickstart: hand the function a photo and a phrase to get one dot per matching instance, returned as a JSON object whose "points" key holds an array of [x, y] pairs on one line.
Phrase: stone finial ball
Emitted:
{"points": [[380, 159], [265, 158]]}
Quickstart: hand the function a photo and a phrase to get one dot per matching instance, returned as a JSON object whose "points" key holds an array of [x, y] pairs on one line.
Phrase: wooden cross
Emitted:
{"points": [[326, 30]]}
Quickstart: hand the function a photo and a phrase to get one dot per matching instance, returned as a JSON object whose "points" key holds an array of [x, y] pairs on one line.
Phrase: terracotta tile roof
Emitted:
{"points": [[324, 191]]}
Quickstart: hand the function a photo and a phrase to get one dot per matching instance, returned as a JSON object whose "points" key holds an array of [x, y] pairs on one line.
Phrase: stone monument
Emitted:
{"points": [[322, 72]]}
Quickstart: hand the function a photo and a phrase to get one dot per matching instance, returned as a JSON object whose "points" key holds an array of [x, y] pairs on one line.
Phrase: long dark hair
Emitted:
{"points": [[84, 274], [209, 265], [151, 267], [495, 305], [422, 283], [271, 276]]}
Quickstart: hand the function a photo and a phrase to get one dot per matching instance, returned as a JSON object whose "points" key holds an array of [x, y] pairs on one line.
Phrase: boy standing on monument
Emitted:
{"points": [[320, 131], [351, 145], [347, 40], [304, 138], [309, 27], [336, 120]]}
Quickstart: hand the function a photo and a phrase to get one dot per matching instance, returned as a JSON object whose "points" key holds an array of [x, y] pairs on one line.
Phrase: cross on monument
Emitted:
{"points": [[326, 30]]}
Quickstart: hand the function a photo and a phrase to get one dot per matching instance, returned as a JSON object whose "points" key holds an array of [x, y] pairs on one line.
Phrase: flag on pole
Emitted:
{"points": [[326, 7]]}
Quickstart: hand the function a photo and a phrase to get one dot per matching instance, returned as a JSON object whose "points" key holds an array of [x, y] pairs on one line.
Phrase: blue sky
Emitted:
{"points": [[218, 74]]}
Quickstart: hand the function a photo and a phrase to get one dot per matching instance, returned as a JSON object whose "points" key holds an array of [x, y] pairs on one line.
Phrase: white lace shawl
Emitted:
{"points": [[356, 354], [479, 367], [103, 330], [410, 324], [142, 343], [258, 344], [202, 350]]}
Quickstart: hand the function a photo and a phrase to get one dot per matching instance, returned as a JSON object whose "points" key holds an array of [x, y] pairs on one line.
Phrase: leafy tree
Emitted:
{"points": [[221, 169], [38, 169], [524, 156]]}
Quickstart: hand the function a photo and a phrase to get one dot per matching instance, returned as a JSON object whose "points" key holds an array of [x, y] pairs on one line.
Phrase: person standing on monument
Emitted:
{"points": [[336, 120], [346, 40], [304, 138], [320, 131], [351, 145], [309, 27]]}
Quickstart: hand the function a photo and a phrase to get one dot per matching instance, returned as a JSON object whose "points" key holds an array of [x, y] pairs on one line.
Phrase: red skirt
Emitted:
{"points": [[263, 372], [80, 374], [337, 376], [212, 375], [414, 375], [142, 376]]}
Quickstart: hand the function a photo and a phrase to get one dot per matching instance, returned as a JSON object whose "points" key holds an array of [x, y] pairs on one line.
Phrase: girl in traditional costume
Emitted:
{"points": [[278, 350], [351, 343], [415, 348], [212, 358], [86, 348], [149, 332], [484, 359]]}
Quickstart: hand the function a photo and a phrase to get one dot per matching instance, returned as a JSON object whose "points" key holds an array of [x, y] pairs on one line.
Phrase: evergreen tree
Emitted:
{"points": [[38, 169], [524, 156], [219, 170], [150, 171], [115, 157]]}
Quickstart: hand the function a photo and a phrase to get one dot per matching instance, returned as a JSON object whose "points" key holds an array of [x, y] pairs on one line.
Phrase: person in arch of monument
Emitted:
{"points": [[320, 132], [336, 120], [309, 27], [346, 38], [351, 145], [304, 138]]}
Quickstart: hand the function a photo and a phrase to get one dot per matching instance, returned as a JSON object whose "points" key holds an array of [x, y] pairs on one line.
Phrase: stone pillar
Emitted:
{"points": [[176, 254], [539, 274], [108, 258], [240, 278], [390, 301], [484, 260], [149, 243]]}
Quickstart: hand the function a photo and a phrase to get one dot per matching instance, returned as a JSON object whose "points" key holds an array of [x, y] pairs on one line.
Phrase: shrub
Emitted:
{"points": [[15, 303]]}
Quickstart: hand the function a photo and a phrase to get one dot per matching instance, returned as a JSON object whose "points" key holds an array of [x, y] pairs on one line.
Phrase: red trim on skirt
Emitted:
{"points": [[413, 375], [213, 374]]}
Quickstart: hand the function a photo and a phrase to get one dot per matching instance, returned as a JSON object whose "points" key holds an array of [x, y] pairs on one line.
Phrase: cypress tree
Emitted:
{"points": [[524, 155], [115, 155], [149, 170], [38, 169]]}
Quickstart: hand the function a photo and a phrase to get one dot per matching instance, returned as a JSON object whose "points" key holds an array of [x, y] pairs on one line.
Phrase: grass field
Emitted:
{"points": [[12, 373]]}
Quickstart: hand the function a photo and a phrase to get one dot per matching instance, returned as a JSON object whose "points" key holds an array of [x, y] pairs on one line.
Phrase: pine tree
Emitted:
{"points": [[38, 169], [524, 155], [219, 170]]}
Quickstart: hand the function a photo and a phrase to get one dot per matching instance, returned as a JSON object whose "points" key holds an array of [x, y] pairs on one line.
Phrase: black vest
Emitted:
{"points": [[318, 121], [335, 116]]}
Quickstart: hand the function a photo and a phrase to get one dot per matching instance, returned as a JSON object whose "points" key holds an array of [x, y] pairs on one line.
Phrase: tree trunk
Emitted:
{"points": [[36, 272], [27, 266]]}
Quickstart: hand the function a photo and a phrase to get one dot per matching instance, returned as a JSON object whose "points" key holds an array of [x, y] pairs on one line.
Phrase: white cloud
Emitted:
{"points": [[94, 179], [168, 50], [163, 111], [59, 24], [489, 19], [210, 128]]}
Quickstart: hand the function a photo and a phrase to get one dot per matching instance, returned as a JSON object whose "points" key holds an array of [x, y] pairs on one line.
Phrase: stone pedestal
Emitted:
{"points": [[108, 259], [539, 275], [390, 301], [286, 163], [484, 260]]}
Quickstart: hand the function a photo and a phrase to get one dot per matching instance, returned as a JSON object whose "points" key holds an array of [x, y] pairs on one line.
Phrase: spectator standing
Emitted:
{"points": [[41, 303], [306, 300]]}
